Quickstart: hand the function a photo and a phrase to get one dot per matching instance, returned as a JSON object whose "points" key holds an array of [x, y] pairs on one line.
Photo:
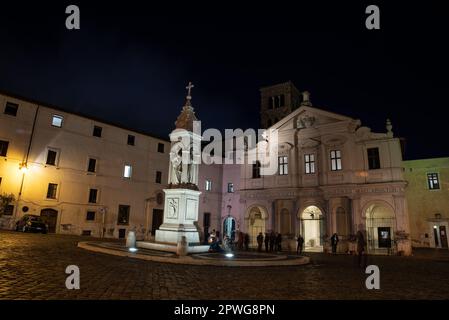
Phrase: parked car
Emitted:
{"points": [[31, 223]]}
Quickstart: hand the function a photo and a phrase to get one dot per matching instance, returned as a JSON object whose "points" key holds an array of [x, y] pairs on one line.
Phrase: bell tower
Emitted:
{"points": [[278, 101]]}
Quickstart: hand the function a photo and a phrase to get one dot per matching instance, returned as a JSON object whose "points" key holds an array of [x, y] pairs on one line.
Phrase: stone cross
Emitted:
{"points": [[189, 90]]}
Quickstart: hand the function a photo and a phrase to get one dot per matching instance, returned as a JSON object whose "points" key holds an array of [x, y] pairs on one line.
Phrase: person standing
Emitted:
{"points": [[334, 243], [279, 242], [267, 241], [240, 240], [259, 242], [246, 241], [300, 241], [272, 240], [361, 243]]}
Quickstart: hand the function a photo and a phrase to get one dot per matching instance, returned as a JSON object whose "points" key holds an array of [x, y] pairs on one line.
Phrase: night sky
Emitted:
{"points": [[130, 62]]}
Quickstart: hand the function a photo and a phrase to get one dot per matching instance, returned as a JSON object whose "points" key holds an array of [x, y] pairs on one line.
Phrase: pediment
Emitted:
{"points": [[334, 140], [310, 117]]}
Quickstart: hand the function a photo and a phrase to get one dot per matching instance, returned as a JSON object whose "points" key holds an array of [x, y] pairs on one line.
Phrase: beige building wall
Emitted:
{"points": [[75, 144], [428, 208]]}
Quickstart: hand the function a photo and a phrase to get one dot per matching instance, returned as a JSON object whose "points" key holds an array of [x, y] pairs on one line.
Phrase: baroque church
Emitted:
{"points": [[333, 176]]}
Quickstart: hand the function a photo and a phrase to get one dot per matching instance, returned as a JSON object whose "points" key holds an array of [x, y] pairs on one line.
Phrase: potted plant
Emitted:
{"points": [[402, 242]]}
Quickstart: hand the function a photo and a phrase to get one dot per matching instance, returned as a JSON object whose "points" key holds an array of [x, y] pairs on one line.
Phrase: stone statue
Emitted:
{"points": [[175, 165]]}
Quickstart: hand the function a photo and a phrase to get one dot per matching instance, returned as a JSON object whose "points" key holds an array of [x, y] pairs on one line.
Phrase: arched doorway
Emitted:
{"points": [[229, 228], [380, 228], [50, 217], [255, 218], [312, 229]]}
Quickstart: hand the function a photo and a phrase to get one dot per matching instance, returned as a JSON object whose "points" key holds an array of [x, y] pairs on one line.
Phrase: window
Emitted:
{"points": [[57, 121], [276, 101], [51, 191], [158, 177], [131, 140], [160, 147], [283, 165], [123, 214], [97, 131], [256, 170], [230, 187], [208, 185], [93, 193], [11, 109], [86, 233], [335, 160], [433, 181], [92, 165], [3, 148], [51, 157], [90, 216], [373, 158], [281, 100], [9, 210], [271, 102], [309, 160], [127, 172], [121, 233], [206, 219]]}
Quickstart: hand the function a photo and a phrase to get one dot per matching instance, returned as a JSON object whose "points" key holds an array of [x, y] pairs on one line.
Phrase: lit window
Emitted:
{"points": [[433, 181], [335, 160], [208, 185], [128, 171], [309, 160], [57, 121], [230, 187], [51, 191], [283, 165]]}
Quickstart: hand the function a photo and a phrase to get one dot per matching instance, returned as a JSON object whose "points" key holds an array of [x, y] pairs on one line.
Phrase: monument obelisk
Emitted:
{"points": [[182, 195]]}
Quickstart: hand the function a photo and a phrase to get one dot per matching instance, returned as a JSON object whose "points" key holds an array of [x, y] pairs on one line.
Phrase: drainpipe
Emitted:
{"points": [[24, 164], [147, 219]]}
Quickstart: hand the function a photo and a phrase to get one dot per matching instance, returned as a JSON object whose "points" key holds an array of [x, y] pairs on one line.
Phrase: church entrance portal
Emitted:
{"points": [[312, 229], [380, 228], [256, 225]]}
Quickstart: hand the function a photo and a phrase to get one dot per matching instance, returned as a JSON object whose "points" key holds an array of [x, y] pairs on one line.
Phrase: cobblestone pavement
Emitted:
{"points": [[32, 266]]}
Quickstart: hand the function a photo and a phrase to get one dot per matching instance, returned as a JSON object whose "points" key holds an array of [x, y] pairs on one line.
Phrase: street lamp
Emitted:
{"points": [[23, 167]]}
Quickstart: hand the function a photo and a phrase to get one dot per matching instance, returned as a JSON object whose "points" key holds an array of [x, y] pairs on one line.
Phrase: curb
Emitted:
{"points": [[191, 261]]}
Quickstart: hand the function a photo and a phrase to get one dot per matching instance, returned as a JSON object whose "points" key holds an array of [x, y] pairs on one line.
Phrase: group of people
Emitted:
{"points": [[272, 240]]}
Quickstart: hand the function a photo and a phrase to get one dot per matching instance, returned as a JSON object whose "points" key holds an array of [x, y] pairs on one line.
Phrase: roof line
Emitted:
{"points": [[80, 114]]}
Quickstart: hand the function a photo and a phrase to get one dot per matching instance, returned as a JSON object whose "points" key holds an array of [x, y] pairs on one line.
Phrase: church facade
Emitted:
{"points": [[333, 176]]}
